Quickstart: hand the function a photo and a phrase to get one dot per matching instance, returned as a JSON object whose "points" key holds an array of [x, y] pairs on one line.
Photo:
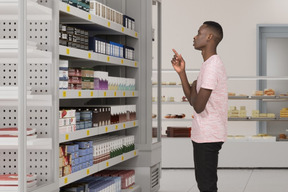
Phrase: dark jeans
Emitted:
{"points": [[206, 163]]}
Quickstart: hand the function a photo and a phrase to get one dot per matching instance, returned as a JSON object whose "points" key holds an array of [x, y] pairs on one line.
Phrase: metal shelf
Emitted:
{"points": [[35, 11], [96, 168], [80, 134], [73, 15], [35, 144], [134, 188], [82, 94], [92, 56]]}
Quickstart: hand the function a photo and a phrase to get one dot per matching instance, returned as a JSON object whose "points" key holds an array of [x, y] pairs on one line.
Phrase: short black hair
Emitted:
{"points": [[217, 29]]}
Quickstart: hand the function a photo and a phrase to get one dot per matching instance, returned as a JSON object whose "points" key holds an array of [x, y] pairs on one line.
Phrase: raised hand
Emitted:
{"points": [[178, 62]]}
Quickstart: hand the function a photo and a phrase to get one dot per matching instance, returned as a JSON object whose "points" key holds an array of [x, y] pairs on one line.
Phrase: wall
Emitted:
{"points": [[181, 20]]}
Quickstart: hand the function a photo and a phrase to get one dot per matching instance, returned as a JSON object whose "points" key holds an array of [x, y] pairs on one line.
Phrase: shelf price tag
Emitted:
{"points": [[135, 64], [122, 158], [124, 125], [116, 127], [124, 94], [89, 16], [68, 8], [135, 153], [79, 93], [115, 94], [136, 34], [131, 187], [123, 29], [67, 137], [88, 132], [133, 93], [88, 171], [89, 55], [91, 93], [68, 51], [64, 94], [65, 180], [105, 93], [107, 164], [134, 123], [106, 129], [122, 61], [109, 24], [108, 59]]}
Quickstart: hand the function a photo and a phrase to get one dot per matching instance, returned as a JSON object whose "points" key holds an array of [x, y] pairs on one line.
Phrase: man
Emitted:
{"points": [[209, 97]]}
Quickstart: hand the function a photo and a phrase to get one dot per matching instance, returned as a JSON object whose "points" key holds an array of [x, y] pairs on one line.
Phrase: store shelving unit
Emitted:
{"points": [[28, 72]]}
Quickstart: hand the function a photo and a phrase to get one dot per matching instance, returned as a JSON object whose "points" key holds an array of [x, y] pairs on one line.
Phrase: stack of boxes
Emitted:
{"points": [[129, 22], [67, 121], [257, 114], [85, 117], [73, 37], [75, 156], [95, 184], [105, 12], [284, 113], [105, 47], [119, 83], [127, 176], [75, 79], [63, 74], [120, 114], [101, 80], [81, 4], [106, 147], [87, 75], [233, 112]]}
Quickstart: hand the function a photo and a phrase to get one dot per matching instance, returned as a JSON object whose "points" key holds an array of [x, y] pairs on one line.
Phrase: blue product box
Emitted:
{"points": [[90, 144], [73, 162], [70, 148], [76, 160], [78, 126], [86, 115], [77, 114], [73, 169], [76, 154], [116, 49], [91, 157], [91, 163], [88, 124], [82, 152], [76, 147], [83, 159], [95, 44], [82, 125], [87, 151], [91, 151], [82, 144]]}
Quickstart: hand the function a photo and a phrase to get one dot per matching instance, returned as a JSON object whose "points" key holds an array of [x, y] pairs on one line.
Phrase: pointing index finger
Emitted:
{"points": [[175, 52]]}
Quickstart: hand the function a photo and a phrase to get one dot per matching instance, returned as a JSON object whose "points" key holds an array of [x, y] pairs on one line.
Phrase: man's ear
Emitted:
{"points": [[210, 36]]}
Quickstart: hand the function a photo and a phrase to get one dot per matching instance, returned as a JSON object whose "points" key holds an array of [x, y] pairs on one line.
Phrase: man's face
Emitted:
{"points": [[201, 39]]}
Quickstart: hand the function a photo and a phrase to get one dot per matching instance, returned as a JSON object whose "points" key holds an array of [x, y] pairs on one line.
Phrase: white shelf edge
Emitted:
{"points": [[92, 56], [80, 134], [172, 103], [133, 188], [81, 94], [35, 11], [39, 143], [175, 119], [93, 19], [96, 168]]}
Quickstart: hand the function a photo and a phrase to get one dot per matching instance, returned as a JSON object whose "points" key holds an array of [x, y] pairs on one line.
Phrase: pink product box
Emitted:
{"points": [[67, 121], [68, 113], [75, 86], [76, 72], [75, 80]]}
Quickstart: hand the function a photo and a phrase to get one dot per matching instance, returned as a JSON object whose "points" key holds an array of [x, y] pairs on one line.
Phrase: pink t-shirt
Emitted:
{"points": [[211, 124]]}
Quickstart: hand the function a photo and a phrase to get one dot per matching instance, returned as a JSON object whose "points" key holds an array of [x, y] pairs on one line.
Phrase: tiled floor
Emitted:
{"points": [[229, 180]]}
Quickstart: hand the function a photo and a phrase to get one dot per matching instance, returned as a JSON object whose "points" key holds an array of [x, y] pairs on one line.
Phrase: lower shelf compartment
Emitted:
{"points": [[96, 168]]}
